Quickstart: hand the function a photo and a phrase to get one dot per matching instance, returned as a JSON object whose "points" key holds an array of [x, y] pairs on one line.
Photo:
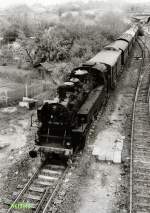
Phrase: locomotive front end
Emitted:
{"points": [[54, 131], [56, 118]]}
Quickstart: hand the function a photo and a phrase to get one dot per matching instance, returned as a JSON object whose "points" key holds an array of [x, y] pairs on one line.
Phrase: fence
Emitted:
{"points": [[9, 97]]}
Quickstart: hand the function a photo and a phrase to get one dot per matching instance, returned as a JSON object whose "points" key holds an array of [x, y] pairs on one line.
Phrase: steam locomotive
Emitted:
{"points": [[63, 122]]}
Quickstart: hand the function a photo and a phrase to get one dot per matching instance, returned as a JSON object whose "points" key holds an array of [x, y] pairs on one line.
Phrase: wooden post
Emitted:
{"points": [[6, 97], [26, 90]]}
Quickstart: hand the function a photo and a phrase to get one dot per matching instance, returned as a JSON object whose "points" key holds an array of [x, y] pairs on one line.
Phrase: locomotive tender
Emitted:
{"points": [[65, 120]]}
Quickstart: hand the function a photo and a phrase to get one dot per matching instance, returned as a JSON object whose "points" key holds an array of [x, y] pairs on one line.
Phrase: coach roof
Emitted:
{"points": [[126, 37], [108, 57], [94, 65], [117, 45], [131, 31], [88, 65]]}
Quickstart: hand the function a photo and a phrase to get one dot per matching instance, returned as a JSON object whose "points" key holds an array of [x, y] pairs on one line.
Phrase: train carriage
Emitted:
{"points": [[132, 32], [128, 38], [112, 60], [119, 45]]}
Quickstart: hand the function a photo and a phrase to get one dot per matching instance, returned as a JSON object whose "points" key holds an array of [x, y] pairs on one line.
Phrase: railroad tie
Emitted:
{"points": [[32, 188], [49, 171], [28, 196], [47, 177], [44, 183]]}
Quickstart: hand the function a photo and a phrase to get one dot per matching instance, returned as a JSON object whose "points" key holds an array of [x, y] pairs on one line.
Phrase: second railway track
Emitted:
{"points": [[140, 146]]}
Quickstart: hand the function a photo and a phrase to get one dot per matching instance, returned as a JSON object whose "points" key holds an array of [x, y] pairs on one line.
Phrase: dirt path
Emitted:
{"points": [[97, 194]]}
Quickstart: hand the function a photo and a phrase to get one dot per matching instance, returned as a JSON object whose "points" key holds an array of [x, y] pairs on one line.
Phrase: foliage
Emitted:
{"points": [[71, 40], [10, 34], [6, 54], [64, 42]]}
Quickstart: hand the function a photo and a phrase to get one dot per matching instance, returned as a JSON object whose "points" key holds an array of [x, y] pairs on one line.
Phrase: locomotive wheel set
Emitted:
{"points": [[63, 122]]}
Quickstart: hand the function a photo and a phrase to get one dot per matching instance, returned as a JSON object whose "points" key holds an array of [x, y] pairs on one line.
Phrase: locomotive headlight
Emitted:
{"points": [[68, 144]]}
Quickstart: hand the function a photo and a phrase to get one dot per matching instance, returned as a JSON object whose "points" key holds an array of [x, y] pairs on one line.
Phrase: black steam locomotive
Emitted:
{"points": [[63, 122]]}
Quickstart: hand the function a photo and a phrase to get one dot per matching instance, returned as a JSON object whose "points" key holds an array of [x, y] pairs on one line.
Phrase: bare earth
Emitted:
{"points": [[97, 194]]}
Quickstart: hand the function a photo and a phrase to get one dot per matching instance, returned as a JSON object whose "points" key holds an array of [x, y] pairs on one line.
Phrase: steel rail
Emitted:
{"points": [[45, 194], [148, 97], [132, 139], [42, 201], [139, 82], [24, 189], [55, 190], [145, 46], [148, 93]]}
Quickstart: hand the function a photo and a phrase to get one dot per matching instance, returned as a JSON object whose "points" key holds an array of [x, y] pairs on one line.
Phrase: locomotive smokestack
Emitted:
{"points": [[33, 153]]}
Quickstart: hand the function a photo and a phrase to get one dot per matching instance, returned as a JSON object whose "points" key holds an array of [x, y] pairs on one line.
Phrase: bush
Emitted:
{"points": [[71, 40], [76, 40], [10, 34]]}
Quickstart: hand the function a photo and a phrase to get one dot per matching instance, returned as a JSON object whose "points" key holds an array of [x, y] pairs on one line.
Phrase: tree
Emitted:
{"points": [[6, 54], [10, 34], [56, 42], [27, 48]]}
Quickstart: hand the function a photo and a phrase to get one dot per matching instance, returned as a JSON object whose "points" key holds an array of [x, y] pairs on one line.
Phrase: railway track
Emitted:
{"points": [[140, 144], [37, 194]]}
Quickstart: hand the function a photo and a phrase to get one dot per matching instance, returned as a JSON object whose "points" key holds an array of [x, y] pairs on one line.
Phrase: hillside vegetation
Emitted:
{"points": [[30, 38], [63, 36]]}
